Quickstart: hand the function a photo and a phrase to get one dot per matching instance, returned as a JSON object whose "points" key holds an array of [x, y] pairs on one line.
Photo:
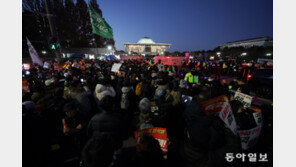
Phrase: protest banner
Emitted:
{"points": [[257, 115], [25, 86], [214, 105], [116, 67], [158, 133], [245, 99], [249, 137], [227, 117], [131, 57], [57, 67], [170, 60]]}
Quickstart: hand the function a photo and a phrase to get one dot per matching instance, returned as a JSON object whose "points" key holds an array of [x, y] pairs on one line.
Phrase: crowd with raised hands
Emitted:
{"points": [[79, 112]]}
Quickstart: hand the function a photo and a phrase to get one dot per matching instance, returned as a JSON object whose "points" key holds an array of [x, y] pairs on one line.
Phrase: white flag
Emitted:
{"points": [[34, 55]]}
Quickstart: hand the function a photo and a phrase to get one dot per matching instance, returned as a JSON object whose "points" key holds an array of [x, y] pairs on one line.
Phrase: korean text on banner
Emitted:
{"points": [[158, 133], [214, 105], [257, 115], [245, 99], [249, 137], [116, 67], [170, 60], [227, 117]]}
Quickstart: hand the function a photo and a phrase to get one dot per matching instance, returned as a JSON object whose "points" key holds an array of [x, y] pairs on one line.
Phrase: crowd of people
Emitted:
{"points": [[79, 112]]}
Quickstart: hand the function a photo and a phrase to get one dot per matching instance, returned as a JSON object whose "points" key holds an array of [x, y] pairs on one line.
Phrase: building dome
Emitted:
{"points": [[146, 40]]}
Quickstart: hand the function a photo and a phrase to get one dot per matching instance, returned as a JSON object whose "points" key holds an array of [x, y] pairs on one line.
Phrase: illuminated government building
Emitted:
{"points": [[146, 46]]}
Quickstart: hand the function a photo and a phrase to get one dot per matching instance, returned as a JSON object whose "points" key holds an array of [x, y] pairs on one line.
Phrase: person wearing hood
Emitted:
{"points": [[145, 114], [127, 92], [102, 90]]}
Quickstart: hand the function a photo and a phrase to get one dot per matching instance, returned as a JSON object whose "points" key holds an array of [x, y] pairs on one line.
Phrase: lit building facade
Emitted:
{"points": [[146, 46], [262, 41]]}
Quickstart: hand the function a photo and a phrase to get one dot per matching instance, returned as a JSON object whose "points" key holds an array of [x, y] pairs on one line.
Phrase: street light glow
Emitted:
{"points": [[268, 54], [43, 52], [109, 47], [244, 54]]}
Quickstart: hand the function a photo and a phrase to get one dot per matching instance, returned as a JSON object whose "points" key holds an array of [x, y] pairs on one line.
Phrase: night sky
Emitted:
{"points": [[188, 25]]}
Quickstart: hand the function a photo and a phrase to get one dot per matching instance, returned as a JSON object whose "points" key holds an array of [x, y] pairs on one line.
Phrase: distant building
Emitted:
{"points": [[262, 41], [87, 52], [146, 46]]}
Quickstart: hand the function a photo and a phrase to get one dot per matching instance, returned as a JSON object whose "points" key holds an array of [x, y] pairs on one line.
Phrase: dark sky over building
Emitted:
{"points": [[188, 24]]}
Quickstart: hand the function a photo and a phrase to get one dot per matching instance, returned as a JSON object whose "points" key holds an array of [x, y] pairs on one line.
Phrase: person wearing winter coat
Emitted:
{"points": [[106, 122], [145, 114], [102, 90], [80, 94]]}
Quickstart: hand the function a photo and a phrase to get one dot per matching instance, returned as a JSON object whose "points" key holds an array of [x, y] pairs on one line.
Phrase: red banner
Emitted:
{"points": [[214, 105], [25, 86], [170, 60], [158, 133], [131, 57], [57, 67]]}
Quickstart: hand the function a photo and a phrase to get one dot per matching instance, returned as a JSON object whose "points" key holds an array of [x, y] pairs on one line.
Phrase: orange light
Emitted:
{"points": [[249, 76]]}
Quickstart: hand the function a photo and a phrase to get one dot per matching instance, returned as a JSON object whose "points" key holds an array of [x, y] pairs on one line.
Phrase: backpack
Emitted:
{"points": [[139, 89]]}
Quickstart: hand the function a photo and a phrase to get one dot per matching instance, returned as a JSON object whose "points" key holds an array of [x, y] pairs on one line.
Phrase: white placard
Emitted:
{"points": [[227, 116], [116, 67], [245, 99], [249, 137]]}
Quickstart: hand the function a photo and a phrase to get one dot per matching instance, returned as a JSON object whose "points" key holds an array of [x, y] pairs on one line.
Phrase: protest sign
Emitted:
{"points": [[158, 133], [46, 65], [245, 99], [257, 115], [170, 60], [116, 67], [214, 105], [249, 137], [25, 86], [227, 117], [26, 66], [131, 57], [57, 67]]}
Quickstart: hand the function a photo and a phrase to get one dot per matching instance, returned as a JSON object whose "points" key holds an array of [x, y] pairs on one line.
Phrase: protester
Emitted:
{"points": [[60, 113]]}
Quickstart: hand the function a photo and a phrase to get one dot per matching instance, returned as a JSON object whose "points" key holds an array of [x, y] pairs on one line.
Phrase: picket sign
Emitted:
{"points": [[244, 98], [214, 105], [116, 67], [227, 117], [26, 66], [158, 133], [249, 137], [57, 67], [257, 115], [46, 65], [25, 86]]}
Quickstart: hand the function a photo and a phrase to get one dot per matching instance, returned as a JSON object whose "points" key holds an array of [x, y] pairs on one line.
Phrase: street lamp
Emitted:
{"points": [[218, 54], [244, 54], [109, 47], [268, 54], [44, 52]]}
